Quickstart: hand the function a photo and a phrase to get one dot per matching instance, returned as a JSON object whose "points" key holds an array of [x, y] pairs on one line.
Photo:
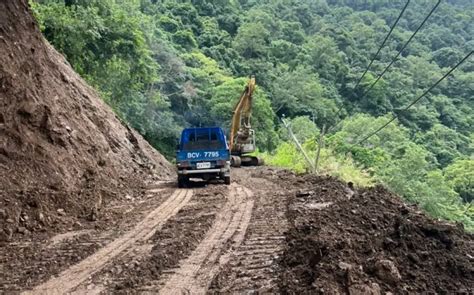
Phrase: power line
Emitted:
{"points": [[394, 59], [375, 56], [403, 48], [415, 101], [383, 43]]}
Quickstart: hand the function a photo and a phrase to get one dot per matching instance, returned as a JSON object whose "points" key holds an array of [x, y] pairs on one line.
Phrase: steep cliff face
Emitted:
{"points": [[60, 144]]}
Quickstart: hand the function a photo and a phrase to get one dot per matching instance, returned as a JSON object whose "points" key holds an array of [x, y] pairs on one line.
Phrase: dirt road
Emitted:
{"points": [[270, 231], [72, 277], [177, 239]]}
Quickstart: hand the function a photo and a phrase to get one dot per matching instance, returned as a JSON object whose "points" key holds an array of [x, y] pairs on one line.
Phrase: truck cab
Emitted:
{"points": [[203, 153]]}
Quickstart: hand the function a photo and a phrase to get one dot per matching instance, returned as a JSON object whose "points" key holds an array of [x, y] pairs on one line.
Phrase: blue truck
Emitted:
{"points": [[203, 153]]}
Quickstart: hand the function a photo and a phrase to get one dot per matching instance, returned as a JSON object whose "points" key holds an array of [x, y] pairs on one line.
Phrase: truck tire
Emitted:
{"points": [[227, 180], [182, 181]]}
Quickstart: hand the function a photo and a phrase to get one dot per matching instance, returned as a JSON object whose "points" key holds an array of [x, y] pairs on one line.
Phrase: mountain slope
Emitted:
{"points": [[61, 147]]}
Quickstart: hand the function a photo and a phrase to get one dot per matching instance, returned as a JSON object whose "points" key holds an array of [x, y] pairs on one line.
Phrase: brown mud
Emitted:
{"points": [[64, 154], [269, 232], [366, 241]]}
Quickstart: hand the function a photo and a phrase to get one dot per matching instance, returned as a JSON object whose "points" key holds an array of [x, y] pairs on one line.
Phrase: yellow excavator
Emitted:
{"points": [[242, 136]]}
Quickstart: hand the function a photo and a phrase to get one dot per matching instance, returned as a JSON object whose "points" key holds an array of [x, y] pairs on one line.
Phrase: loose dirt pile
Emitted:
{"points": [[63, 152], [343, 240]]}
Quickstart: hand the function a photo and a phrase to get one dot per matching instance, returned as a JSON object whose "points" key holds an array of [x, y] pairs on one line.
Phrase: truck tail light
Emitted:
{"points": [[220, 163]]}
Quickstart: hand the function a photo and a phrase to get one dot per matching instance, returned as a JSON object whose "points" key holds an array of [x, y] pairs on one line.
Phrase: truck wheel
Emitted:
{"points": [[182, 181], [227, 180]]}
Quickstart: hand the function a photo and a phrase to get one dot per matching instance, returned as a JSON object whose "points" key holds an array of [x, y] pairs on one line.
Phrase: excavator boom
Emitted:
{"points": [[241, 115], [242, 136]]}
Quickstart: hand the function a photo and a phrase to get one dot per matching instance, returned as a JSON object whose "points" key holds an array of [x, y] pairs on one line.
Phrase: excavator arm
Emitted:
{"points": [[240, 126], [242, 136]]}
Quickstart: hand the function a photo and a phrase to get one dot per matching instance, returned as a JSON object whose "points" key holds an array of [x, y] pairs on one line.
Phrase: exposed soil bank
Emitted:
{"points": [[64, 154]]}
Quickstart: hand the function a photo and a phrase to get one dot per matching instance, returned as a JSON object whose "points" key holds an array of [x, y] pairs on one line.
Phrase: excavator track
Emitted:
{"points": [[238, 161], [251, 161]]}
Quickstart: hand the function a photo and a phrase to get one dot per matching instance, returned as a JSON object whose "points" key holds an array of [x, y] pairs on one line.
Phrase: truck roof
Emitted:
{"points": [[203, 138], [202, 128]]}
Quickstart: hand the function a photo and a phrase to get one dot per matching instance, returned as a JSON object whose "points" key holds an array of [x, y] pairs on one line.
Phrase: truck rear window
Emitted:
{"points": [[202, 139]]}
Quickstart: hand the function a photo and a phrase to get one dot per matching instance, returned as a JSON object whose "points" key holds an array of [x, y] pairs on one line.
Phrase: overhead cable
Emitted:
{"points": [[415, 101], [373, 58], [383, 43], [401, 50]]}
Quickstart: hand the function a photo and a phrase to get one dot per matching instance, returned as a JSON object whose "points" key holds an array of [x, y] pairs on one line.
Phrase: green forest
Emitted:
{"points": [[163, 65]]}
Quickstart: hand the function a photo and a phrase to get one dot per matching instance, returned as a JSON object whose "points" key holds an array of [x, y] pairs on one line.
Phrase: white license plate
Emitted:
{"points": [[203, 165]]}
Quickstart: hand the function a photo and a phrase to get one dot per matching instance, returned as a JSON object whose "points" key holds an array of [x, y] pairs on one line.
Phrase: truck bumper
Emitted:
{"points": [[203, 171]]}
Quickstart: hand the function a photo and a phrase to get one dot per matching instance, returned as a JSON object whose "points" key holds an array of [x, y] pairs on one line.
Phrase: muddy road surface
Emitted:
{"points": [[270, 231], [204, 238]]}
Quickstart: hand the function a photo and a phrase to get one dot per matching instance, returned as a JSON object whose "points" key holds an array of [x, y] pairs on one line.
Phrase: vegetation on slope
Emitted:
{"points": [[163, 65]]}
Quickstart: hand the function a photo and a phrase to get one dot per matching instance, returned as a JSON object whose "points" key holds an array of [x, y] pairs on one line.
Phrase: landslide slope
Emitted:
{"points": [[61, 147]]}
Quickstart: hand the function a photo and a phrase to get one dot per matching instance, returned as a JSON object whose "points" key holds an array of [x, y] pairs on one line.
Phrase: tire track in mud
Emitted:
{"points": [[75, 275], [195, 274], [28, 263], [143, 266], [253, 266]]}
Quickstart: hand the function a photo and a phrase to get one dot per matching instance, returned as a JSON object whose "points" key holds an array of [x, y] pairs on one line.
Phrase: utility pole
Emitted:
{"points": [[288, 127]]}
